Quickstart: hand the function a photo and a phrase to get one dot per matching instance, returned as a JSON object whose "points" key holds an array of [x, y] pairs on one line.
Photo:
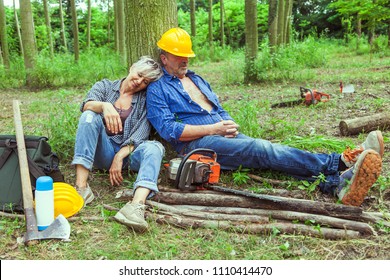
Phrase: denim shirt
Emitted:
{"points": [[136, 127], [170, 108]]}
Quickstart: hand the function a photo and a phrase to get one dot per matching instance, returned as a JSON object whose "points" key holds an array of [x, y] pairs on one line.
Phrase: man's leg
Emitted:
{"points": [[261, 154]]}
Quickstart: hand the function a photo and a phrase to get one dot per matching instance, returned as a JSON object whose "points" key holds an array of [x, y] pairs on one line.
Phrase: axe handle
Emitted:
{"points": [[31, 221]]}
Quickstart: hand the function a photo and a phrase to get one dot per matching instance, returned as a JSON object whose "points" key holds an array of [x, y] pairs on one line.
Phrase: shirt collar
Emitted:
{"points": [[171, 77]]}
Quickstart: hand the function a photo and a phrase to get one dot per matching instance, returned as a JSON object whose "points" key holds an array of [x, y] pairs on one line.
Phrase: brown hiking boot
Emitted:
{"points": [[373, 141], [357, 180]]}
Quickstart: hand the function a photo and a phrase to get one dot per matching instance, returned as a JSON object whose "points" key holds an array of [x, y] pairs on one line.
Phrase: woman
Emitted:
{"points": [[112, 135]]}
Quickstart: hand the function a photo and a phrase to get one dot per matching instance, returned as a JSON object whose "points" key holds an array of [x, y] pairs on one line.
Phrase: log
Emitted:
{"points": [[368, 123], [260, 202], [284, 228], [363, 228]]}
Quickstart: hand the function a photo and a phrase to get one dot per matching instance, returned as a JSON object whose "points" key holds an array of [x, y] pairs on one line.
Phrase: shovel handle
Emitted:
{"points": [[28, 205]]}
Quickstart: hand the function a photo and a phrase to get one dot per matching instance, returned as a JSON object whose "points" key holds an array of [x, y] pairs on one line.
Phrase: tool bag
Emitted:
{"points": [[41, 162]]}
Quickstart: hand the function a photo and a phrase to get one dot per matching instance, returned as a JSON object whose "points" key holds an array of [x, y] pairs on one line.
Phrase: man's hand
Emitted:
{"points": [[112, 118], [227, 128]]}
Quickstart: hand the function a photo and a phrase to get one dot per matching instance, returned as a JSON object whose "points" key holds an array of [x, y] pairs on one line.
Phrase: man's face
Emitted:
{"points": [[175, 65]]}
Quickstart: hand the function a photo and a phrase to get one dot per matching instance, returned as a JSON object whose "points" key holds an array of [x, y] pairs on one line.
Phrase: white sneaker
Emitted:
{"points": [[86, 193], [133, 215]]}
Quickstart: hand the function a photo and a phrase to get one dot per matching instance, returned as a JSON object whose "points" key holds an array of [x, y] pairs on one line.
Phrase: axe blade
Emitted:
{"points": [[58, 229]]}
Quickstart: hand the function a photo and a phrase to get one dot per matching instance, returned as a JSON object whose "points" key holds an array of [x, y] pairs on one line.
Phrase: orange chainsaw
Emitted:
{"points": [[196, 169], [308, 97]]}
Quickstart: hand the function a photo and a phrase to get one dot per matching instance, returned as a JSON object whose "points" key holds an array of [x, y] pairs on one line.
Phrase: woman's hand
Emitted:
{"points": [[116, 177], [112, 118]]}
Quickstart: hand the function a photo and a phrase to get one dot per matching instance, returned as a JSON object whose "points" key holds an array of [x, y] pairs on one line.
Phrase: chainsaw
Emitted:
{"points": [[308, 97], [196, 169]]}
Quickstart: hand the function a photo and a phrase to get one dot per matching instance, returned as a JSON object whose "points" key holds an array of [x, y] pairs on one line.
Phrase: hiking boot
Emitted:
{"points": [[373, 141], [86, 193], [356, 181], [132, 215]]}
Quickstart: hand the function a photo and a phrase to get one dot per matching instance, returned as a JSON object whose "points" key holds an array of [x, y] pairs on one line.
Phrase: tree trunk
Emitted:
{"points": [[222, 15], [75, 30], [28, 39], [251, 41], [121, 32], [281, 20], [48, 27], [210, 22], [108, 22], [18, 29], [3, 36], [287, 26], [358, 30], [192, 18], [146, 21], [89, 7], [273, 24], [63, 35]]}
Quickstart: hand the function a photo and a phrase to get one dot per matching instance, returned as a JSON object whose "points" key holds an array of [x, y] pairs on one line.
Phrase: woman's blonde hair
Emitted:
{"points": [[148, 68]]}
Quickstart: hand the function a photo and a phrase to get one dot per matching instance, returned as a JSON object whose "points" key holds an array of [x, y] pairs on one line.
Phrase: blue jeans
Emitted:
{"points": [[261, 154], [94, 147]]}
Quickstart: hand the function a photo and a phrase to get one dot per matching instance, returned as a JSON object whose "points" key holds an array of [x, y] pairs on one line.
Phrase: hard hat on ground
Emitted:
{"points": [[67, 201], [177, 42]]}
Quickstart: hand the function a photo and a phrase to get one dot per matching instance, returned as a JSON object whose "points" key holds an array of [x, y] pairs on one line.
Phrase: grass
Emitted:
{"points": [[53, 111]]}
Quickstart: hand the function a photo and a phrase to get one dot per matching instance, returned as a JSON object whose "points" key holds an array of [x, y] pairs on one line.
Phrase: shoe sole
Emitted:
{"points": [[367, 174], [119, 217]]}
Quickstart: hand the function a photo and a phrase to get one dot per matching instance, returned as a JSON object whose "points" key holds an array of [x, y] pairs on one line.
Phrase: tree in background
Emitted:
{"points": [[251, 40], [146, 21], [28, 39], [63, 34], [273, 23], [89, 9], [48, 27], [222, 15], [17, 27], [75, 28], [3, 36], [210, 22], [120, 22], [192, 18]]}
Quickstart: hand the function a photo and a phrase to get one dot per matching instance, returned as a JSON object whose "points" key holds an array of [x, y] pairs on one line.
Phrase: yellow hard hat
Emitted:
{"points": [[177, 42], [67, 201]]}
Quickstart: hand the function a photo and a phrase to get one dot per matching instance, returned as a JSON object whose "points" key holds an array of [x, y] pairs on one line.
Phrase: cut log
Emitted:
{"points": [[283, 228], [363, 228], [368, 123]]}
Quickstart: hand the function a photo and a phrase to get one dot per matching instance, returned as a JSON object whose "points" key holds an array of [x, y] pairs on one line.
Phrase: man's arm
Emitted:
{"points": [[224, 128]]}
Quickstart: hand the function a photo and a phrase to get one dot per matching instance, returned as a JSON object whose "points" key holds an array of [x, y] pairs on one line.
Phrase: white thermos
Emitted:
{"points": [[44, 202]]}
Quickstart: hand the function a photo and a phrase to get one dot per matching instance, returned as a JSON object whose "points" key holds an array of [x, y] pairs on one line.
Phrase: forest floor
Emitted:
{"points": [[106, 239]]}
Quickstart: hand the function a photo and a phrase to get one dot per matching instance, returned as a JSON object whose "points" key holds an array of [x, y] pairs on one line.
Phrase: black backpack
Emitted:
{"points": [[41, 162]]}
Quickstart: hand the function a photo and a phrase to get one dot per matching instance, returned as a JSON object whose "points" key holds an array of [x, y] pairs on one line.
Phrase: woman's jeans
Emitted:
{"points": [[261, 154], [94, 147]]}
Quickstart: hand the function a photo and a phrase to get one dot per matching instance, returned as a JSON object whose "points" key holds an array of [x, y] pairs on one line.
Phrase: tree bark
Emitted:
{"points": [[251, 41], [210, 22], [28, 39], [366, 124], [75, 29], [281, 23], [146, 21], [63, 35], [272, 24], [48, 27], [193, 18], [121, 31], [18, 29], [256, 201], [222, 15], [89, 9], [3, 36]]}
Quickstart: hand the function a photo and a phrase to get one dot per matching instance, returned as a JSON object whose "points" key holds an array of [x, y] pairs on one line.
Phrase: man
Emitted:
{"points": [[186, 112]]}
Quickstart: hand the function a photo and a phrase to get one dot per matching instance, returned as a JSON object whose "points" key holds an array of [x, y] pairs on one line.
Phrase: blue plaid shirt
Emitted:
{"points": [[170, 108], [136, 128]]}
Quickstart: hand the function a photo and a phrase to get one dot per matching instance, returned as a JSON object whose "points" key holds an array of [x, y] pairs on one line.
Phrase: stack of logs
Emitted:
{"points": [[259, 214]]}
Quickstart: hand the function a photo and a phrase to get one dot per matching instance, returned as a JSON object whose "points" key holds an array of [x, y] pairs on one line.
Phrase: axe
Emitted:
{"points": [[59, 228]]}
